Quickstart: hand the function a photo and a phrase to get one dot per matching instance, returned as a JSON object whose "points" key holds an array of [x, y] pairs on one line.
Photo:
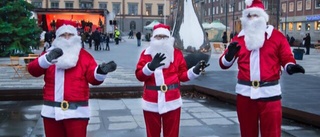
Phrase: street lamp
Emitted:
{"points": [[164, 12]]}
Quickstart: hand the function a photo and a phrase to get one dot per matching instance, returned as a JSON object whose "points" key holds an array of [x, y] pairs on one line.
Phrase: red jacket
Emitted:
{"points": [[177, 72], [70, 85], [263, 64]]}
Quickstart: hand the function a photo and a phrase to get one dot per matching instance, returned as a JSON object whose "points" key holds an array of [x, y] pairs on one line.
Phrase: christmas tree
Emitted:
{"points": [[19, 32]]}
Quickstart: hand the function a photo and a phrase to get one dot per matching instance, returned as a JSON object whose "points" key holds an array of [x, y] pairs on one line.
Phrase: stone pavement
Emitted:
{"points": [[200, 117]]}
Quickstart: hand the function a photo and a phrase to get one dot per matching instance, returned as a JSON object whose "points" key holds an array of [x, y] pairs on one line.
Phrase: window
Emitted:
{"points": [[85, 5], [54, 4], [266, 4], [213, 10], [132, 25], [133, 8], [291, 6], [308, 4], [37, 4], [221, 9], [116, 8], [290, 26], [284, 7], [148, 9], [160, 9], [217, 10], [299, 24], [317, 25], [284, 26], [317, 4], [69, 5], [307, 26], [299, 5], [103, 5], [240, 6]]}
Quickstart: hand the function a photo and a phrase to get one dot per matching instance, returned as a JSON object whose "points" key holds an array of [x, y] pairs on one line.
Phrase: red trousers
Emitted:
{"points": [[170, 123], [65, 128], [253, 114]]}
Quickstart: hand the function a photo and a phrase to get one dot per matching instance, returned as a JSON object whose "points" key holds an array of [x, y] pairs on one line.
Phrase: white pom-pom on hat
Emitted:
{"points": [[248, 2]]}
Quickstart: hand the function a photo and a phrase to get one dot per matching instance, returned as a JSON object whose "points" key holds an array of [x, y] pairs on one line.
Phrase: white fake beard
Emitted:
{"points": [[255, 30], [163, 46], [71, 49]]}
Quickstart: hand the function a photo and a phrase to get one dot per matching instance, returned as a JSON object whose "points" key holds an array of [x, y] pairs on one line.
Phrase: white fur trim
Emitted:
{"points": [[191, 74], [99, 77], [66, 28], [256, 10], [50, 112], [162, 31], [249, 2], [255, 65], [227, 63], [43, 62], [146, 70], [261, 92], [153, 107]]}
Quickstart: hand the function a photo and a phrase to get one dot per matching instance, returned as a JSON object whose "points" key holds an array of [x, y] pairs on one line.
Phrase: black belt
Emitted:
{"points": [[257, 84], [164, 87], [64, 105]]}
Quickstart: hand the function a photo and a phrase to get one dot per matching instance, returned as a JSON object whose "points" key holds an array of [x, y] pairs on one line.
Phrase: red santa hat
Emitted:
{"points": [[161, 29], [65, 26], [255, 7]]}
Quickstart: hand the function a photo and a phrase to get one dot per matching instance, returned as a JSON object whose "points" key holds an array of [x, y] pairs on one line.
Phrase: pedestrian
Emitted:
{"points": [[261, 51], [90, 39], [96, 38], [130, 35], [138, 35], [68, 69], [162, 67], [48, 37], [225, 39], [307, 43], [288, 37], [107, 42], [116, 36]]}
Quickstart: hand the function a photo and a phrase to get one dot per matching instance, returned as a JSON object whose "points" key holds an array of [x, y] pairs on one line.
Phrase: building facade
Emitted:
{"points": [[299, 17], [129, 14], [292, 17]]}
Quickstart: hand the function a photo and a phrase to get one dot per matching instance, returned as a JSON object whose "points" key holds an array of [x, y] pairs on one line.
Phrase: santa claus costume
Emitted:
{"points": [[65, 110], [263, 51], [162, 101]]}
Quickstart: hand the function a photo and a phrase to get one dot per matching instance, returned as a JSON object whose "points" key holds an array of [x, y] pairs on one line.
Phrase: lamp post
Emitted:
{"points": [[164, 12], [233, 23], [226, 9]]}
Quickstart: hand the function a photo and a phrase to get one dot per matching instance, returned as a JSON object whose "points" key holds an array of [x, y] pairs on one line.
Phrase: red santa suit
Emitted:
{"points": [[258, 88], [70, 86], [157, 103]]}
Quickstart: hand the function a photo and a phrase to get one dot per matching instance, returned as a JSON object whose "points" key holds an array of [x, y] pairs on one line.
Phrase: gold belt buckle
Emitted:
{"points": [[64, 105], [255, 84], [164, 88]]}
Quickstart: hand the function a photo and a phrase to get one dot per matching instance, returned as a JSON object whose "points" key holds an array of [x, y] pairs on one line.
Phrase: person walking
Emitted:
{"points": [[138, 35], [107, 42], [225, 39], [162, 67], [261, 51], [68, 69], [96, 38], [307, 43], [116, 36]]}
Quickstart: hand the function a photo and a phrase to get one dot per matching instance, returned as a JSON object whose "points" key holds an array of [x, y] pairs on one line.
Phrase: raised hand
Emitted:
{"points": [[233, 48], [156, 61], [201, 65], [105, 68], [54, 54], [294, 68]]}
